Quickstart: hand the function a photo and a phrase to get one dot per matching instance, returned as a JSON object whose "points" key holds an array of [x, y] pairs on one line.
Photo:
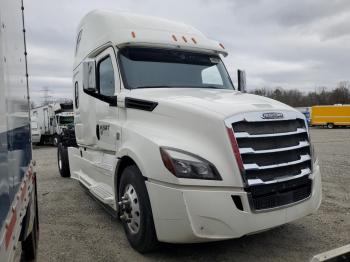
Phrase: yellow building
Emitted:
{"points": [[330, 116]]}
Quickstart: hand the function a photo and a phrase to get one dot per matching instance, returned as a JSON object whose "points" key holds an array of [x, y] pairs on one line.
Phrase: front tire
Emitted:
{"points": [[62, 160], [135, 210], [56, 140]]}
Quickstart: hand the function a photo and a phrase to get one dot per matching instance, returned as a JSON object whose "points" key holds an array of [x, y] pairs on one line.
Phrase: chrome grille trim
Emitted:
{"points": [[276, 157], [247, 135], [252, 151], [303, 158], [257, 181]]}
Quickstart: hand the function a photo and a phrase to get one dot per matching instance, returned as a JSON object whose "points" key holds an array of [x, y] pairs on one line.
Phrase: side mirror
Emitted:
{"points": [[89, 75], [241, 81]]}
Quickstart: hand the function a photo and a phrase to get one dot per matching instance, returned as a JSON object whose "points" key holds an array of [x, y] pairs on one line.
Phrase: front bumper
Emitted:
{"points": [[201, 214]]}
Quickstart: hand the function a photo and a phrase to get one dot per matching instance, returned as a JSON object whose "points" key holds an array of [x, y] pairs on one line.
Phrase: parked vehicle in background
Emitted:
{"points": [[330, 116], [166, 141], [18, 194], [36, 134], [52, 119], [306, 112]]}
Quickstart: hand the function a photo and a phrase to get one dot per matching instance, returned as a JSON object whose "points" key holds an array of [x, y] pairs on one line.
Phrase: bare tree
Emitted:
{"points": [[321, 95]]}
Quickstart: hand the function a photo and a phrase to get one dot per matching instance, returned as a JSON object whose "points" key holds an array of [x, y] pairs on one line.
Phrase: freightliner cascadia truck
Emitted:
{"points": [[167, 142], [18, 194]]}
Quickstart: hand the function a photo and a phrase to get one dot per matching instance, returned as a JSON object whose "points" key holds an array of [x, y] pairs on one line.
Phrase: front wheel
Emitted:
{"points": [[135, 210], [55, 140], [62, 160]]}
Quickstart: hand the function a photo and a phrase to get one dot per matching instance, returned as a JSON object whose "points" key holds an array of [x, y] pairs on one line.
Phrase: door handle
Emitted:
{"points": [[98, 132]]}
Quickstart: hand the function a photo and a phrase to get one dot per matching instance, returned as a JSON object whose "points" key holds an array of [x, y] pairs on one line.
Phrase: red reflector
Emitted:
{"points": [[24, 191], [184, 38], [174, 37], [133, 34], [9, 229], [235, 149], [194, 40]]}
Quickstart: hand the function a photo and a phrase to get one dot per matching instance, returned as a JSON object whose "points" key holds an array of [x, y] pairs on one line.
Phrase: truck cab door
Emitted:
{"points": [[108, 85]]}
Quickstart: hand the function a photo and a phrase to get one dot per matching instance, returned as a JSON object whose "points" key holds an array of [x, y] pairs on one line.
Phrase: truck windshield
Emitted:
{"points": [[66, 120], [167, 68]]}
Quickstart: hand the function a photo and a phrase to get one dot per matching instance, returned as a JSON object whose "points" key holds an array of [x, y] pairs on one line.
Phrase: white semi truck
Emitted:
{"points": [[167, 142], [18, 195], [50, 121]]}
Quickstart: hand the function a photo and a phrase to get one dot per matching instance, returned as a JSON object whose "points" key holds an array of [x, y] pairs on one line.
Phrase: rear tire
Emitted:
{"points": [[30, 244], [62, 160], [143, 238], [330, 125]]}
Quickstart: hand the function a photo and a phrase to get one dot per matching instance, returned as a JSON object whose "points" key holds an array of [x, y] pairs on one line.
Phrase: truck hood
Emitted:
{"points": [[220, 101]]}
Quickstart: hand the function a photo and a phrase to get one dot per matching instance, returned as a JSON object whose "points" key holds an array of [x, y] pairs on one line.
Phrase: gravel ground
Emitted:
{"points": [[73, 227]]}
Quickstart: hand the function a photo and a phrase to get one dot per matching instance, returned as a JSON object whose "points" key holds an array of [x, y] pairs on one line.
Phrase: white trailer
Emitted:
{"points": [[51, 120], [35, 130], [18, 197], [167, 142]]}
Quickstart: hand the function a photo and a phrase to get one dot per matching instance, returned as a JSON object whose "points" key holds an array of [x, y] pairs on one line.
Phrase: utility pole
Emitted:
{"points": [[46, 97]]}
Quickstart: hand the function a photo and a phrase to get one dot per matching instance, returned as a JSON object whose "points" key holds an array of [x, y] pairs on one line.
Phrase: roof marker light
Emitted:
{"points": [[184, 38], [133, 34], [174, 37], [222, 46], [194, 40]]}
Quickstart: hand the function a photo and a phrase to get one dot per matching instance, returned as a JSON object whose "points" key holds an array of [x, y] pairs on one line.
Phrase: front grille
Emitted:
{"points": [[274, 151], [280, 194], [268, 127]]}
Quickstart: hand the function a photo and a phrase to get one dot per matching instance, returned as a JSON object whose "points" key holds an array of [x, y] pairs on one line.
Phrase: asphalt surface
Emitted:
{"points": [[74, 227]]}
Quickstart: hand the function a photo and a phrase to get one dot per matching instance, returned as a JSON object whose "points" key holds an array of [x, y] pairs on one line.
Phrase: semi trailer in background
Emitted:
{"points": [[51, 119], [330, 116], [36, 133], [165, 140], [18, 194]]}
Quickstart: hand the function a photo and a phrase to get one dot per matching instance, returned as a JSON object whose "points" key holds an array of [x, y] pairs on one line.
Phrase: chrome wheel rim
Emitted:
{"points": [[131, 210], [59, 161]]}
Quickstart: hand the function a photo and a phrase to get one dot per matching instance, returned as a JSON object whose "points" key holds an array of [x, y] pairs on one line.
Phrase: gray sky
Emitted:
{"points": [[300, 44]]}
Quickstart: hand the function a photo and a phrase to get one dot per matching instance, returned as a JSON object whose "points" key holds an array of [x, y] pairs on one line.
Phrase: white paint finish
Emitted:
{"points": [[100, 27], [191, 119], [95, 170], [187, 215], [224, 103]]}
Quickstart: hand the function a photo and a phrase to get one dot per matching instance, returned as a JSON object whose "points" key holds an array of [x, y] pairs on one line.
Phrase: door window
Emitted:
{"points": [[106, 77]]}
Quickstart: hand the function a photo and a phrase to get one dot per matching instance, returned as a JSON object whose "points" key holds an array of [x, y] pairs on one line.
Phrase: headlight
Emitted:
{"points": [[186, 165]]}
